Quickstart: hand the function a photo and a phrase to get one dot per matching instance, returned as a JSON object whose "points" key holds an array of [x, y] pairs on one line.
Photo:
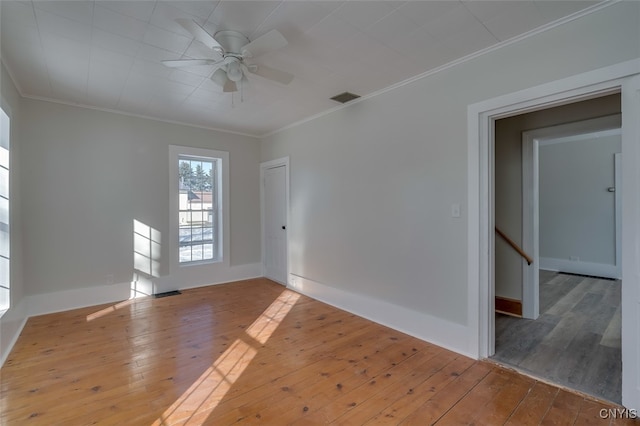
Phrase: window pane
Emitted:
{"points": [[185, 234], [4, 241], [4, 298], [4, 272], [185, 254], [207, 234], [208, 251], [196, 252], [4, 182], [196, 204], [4, 210]]}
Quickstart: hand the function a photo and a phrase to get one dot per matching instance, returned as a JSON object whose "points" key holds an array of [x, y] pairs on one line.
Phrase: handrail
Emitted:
{"points": [[515, 246]]}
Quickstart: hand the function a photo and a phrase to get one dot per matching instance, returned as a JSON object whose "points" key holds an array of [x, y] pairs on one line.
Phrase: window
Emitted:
{"points": [[199, 188], [5, 282]]}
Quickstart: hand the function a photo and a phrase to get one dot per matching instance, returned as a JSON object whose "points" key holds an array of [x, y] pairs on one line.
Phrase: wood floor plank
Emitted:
{"points": [[468, 409], [406, 404], [534, 407], [564, 409], [254, 352], [449, 396]]}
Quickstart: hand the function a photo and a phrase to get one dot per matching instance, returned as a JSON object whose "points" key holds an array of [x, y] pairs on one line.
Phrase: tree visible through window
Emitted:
{"points": [[199, 208]]}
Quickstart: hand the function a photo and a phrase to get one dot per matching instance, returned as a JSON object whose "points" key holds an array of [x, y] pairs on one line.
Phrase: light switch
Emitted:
{"points": [[455, 210]]}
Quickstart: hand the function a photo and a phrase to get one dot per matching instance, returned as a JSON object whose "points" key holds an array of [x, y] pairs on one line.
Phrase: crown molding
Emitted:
{"points": [[546, 27]]}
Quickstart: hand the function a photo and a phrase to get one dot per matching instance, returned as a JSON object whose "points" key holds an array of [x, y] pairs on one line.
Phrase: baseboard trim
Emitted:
{"points": [[59, 301], [66, 300], [508, 306], [579, 267], [228, 275], [440, 332], [11, 325]]}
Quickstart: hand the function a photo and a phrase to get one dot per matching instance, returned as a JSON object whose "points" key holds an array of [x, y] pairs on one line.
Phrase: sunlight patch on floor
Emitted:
{"points": [[212, 385], [263, 327], [109, 310]]}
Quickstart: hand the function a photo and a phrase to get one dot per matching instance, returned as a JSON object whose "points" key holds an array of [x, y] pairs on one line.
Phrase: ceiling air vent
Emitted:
{"points": [[345, 97]]}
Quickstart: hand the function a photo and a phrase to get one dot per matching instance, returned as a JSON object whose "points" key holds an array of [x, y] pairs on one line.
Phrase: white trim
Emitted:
{"points": [[114, 111], [46, 303], [143, 116], [530, 226], [480, 118], [630, 237], [435, 330], [66, 300], [579, 267], [581, 136], [11, 325], [546, 27], [221, 276], [617, 184], [264, 166], [174, 152]]}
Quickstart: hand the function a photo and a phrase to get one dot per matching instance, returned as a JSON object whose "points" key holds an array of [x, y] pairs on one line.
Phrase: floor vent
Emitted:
{"points": [[345, 97], [167, 294], [588, 276]]}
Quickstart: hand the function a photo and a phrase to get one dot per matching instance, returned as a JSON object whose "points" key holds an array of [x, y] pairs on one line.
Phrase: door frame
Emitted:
{"points": [[531, 141], [264, 166], [624, 78]]}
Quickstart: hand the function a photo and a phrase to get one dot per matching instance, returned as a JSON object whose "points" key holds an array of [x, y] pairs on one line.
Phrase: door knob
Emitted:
{"points": [[611, 189], [284, 227]]}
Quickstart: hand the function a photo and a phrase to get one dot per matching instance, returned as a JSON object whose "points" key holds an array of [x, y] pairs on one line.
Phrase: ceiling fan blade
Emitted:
{"points": [[272, 40], [201, 35], [271, 73], [177, 63], [220, 78]]}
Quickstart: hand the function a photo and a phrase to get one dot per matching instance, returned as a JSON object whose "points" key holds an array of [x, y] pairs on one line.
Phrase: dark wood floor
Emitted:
{"points": [[576, 341], [254, 352]]}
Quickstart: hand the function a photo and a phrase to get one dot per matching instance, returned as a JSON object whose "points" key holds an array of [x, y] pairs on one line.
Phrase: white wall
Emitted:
{"points": [[508, 179], [87, 175], [577, 213], [372, 184], [12, 321]]}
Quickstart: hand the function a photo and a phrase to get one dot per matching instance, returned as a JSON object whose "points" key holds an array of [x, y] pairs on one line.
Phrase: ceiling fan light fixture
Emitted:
{"points": [[234, 72]]}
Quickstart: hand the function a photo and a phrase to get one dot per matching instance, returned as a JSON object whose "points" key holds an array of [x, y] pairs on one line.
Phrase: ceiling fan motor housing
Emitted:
{"points": [[231, 41]]}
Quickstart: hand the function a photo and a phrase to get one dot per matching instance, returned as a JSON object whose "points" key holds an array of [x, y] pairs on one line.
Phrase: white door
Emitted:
{"points": [[275, 223]]}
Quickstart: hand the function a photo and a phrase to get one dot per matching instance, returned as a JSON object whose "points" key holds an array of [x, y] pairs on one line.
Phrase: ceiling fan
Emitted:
{"points": [[229, 50]]}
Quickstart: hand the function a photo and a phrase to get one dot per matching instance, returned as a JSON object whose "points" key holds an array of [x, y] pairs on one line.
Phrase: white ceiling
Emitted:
{"points": [[107, 54]]}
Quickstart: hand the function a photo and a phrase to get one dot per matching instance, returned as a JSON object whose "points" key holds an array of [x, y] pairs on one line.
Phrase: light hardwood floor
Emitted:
{"points": [[576, 340], [253, 352]]}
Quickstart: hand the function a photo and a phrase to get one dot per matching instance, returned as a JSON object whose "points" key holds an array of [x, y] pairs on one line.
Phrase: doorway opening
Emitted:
{"points": [[553, 169], [623, 78]]}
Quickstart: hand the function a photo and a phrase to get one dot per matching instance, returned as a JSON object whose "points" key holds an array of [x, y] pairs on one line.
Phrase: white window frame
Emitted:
{"points": [[6, 110], [176, 151]]}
